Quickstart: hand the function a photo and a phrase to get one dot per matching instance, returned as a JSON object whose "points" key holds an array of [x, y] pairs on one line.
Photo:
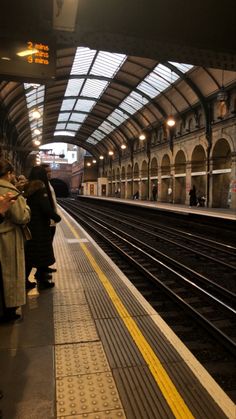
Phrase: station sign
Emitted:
{"points": [[27, 61]]}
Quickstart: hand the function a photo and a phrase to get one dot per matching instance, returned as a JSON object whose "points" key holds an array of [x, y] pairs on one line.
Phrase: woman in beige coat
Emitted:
{"points": [[12, 245]]}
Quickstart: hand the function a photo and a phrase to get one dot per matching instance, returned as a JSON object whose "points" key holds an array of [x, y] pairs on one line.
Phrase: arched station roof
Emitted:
{"points": [[101, 100]]}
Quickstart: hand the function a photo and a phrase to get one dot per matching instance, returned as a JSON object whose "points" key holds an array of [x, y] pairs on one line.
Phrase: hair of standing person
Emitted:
{"points": [[39, 173], [5, 167]]}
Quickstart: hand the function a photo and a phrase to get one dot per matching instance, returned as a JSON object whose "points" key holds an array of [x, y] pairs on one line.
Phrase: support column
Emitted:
{"points": [[188, 180]]}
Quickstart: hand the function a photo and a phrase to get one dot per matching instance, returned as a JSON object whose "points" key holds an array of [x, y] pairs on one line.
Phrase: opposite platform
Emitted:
{"points": [[93, 347], [225, 213]]}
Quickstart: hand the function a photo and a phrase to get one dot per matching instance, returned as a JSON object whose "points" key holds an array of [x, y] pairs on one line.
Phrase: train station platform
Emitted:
{"points": [[225, 213], [93, 348]]}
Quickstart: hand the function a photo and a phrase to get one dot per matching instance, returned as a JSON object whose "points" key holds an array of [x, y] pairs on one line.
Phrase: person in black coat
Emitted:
{"points": [[193, 197], [39, 251], [154, 192]]}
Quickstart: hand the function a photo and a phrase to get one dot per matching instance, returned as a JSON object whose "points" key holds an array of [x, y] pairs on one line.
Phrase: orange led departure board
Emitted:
{"points": [[32, 60]]}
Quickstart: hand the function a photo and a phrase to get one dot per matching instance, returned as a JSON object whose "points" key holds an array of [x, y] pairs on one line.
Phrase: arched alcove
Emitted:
{"points": [[198, 170], [154, 167]]}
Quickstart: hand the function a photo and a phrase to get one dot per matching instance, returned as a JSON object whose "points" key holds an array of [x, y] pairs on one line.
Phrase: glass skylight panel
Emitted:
{"points": [[60, 126], [107, 64], [182, 67], [29, 85], [74, 87], [84, 105], [166, 73], [78, 117], [148, 89], [91, 141], [94, 88], [65, 133], [34, 95], [133, 102], [73, 127], [98, 135], [117, 117], [82, 61], [106, 127], [63, 116], [67, 104]]}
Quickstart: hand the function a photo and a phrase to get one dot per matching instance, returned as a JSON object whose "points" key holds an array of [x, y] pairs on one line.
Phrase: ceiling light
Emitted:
{"points": [[94, 161], [36, 114], [110, 153], [88, 164], [142, 137], [37, 131], [170, 121], [6, 58], [37, 142], [123, 146], [101, 157], [27, 52]]}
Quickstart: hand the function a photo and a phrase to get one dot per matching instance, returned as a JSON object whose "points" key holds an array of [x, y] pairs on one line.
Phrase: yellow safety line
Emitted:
{"points": [[169, 391]]}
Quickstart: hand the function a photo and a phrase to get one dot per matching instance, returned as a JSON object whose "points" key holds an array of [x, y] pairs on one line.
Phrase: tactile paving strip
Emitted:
{"points": [[71, 332], [90, 280], [89, 393], [72, 313], [108, 414], [68, 298], [118, 344], [100, 304], [80, 358]]}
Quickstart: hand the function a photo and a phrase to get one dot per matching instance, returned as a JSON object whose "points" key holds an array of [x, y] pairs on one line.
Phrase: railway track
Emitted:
{"points": [[186, 299]]}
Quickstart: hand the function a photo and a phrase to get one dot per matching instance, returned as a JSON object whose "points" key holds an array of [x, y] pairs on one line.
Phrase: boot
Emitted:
{"points": [[44, 285], [10, 315], [50, 270], [42, 276], [29, 285]]}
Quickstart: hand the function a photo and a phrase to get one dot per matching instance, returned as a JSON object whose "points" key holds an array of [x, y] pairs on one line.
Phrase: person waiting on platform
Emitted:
{"points": [[12, 284], [154, 192], [39, 251], [48, 169], [136, 195], [192, 197]]}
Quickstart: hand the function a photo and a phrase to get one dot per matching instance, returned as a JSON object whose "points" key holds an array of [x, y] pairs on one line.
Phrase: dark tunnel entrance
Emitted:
{"points": [[60, 187]]}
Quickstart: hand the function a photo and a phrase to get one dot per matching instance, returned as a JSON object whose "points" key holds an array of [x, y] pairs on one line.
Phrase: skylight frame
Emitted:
{"points": [[88, 62], [131, 104]]}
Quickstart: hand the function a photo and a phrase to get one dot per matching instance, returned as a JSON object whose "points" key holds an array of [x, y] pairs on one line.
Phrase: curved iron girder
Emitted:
{"points": [[200, 96], [212, 77]]}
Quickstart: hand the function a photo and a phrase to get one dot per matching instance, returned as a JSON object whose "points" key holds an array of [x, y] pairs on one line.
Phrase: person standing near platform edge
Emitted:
{"points": [[12, 245], [193, 197], [154, 192], [48, 169], [39, 251]]}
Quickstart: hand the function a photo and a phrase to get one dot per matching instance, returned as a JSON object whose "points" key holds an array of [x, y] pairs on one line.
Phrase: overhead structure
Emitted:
{"points": [[117, 70]]}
